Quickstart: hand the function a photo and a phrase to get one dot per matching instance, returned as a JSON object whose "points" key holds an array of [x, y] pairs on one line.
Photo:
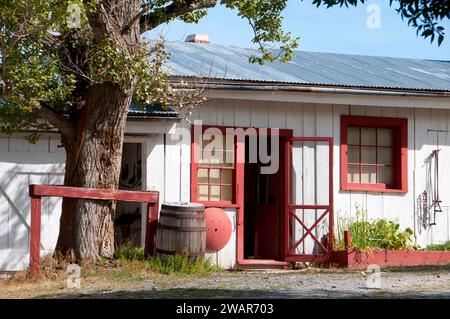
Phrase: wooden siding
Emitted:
{"points": [[167, 168], [22, 164]]}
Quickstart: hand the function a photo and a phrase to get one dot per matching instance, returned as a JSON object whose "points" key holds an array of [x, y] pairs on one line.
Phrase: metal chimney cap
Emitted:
{"points": [[198, 38]]}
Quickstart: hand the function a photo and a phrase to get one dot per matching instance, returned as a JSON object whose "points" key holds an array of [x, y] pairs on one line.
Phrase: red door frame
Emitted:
{"points": [[290, 208], [239, 191], [39, 191]]}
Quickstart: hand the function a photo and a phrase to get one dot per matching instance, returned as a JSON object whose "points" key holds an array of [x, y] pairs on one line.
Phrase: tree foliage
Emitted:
{"points": [[425, 16], [47, 64]]}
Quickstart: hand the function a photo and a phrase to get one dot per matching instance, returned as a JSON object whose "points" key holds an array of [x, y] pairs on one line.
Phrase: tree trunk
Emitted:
{"points": [[94, 152], [94, 161]]}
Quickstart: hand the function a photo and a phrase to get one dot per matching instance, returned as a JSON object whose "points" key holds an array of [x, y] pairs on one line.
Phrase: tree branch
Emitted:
{"points": [[145, 9], [155, 18], [57, 120]]}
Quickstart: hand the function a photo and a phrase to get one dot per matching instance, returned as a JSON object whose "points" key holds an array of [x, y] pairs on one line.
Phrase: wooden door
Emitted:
{"points": [[268, 213]]}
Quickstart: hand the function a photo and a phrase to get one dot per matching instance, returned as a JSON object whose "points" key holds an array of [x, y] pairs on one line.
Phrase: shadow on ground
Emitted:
{"points": [[424, 268], [201, 293]]}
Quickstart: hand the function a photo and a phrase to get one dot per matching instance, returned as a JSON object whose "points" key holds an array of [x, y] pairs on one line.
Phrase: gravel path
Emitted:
{"points": [[433, 283]]}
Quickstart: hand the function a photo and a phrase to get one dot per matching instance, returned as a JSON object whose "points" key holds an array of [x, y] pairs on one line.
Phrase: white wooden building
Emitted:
{"points": [[385, 117]]}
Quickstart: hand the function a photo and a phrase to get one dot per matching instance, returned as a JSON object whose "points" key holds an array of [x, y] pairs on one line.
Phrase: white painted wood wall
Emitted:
{"points": [[22, 164]]}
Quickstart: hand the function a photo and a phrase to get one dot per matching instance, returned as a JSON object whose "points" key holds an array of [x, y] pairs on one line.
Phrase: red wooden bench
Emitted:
{"points": [[39, 191]]}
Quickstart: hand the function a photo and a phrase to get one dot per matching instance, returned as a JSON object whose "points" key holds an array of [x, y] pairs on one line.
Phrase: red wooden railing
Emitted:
{"points": [[39, 191]]}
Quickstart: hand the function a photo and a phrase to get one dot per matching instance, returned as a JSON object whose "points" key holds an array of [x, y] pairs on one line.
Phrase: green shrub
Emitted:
{"points": [[439, 247], [127, 252], [374, 234], [180, 264]]}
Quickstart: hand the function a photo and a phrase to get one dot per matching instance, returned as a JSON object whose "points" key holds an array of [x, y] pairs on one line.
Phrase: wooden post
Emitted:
{"points": [[35, 235], [151, 227], [347, 240]]}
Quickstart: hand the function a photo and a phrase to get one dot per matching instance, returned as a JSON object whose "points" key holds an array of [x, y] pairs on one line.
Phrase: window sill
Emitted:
{"points": [[373, 189], [219, 204]]}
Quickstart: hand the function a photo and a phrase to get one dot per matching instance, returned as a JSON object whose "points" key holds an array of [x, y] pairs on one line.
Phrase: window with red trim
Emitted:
{"points": [[374, 154], [214, 175]]}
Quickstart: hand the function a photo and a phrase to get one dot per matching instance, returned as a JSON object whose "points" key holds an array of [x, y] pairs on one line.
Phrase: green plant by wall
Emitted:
{"points": [[176, 264], [439, 247], [373, 234]]}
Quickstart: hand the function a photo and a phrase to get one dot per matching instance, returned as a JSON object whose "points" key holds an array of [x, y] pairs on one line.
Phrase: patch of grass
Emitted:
{"points": [[180, 264], [127, 252], [367, 234], [133, 257], [439, 247]]}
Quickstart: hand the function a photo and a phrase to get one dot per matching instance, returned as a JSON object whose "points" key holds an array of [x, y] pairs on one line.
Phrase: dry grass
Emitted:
{"points": [[95, 277]]}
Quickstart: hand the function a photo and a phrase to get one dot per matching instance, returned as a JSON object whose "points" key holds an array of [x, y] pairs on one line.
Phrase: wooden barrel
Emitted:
{"points": [[182, 230]]}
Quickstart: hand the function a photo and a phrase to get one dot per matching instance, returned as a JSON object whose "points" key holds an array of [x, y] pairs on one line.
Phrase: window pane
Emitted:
{"points": [[353, 174], [368, 155], [228, 158], [216, 157], [203, 175], [227, 176], [368, 136], [214, 193], [203, 192], [227, 193], [385, 175], [214, 153], [353, 135], [206, 148], [228, 142], [353, 154], [385, 137], [385, 155], [214, 176], [368, 175]]}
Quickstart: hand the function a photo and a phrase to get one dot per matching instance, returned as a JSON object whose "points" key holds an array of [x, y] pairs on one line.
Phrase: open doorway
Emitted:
{"points": [[128, 217], [264, 202]]}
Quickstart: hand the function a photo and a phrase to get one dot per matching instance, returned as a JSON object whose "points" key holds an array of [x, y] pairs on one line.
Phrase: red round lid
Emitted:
{"points": [[218, 229]]}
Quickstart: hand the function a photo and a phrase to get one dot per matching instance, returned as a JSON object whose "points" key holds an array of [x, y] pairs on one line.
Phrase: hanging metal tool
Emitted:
{"points": [[430, 197], [436, 203]]}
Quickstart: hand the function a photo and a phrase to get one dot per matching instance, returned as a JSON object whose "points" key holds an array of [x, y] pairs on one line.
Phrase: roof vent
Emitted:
{"points": [[197, 38]]}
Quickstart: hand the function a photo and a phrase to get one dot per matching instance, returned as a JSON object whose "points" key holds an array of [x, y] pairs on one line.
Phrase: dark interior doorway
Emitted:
{"points": [[263, 207], [128, 225]]}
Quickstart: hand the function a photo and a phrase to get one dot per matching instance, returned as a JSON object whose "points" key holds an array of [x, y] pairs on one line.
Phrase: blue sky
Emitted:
{"points": [[338, 30]]}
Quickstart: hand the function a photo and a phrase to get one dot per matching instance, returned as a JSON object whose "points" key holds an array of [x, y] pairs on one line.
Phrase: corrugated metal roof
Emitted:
{"points": [[154, 110], [222, 62]]}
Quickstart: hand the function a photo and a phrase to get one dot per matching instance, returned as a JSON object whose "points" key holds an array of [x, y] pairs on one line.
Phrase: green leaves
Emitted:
{"points": [[375, 234], [265, 18], [423, 15]]}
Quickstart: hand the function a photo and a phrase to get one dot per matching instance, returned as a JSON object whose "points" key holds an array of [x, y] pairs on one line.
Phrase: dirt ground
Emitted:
{"points": [[307, 283]]}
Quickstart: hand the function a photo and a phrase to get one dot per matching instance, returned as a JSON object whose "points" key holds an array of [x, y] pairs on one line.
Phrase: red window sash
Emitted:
{"points": [[195, 166], [400, 160]]}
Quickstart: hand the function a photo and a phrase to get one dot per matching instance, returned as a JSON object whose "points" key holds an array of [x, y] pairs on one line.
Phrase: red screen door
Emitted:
{"points": [[309, 208]]}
